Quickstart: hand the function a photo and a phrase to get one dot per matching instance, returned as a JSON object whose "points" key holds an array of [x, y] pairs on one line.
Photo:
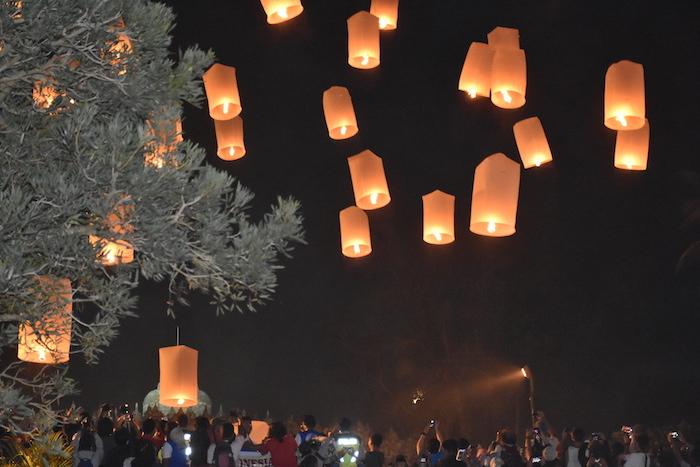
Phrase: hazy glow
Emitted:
{"points": [[491, 227]]}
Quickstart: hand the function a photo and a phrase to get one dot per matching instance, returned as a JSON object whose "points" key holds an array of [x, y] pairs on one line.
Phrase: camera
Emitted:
{"points": [[423, 461]]}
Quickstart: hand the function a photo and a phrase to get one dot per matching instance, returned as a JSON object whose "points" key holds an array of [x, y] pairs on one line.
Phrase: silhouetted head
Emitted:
{"points": [[278, 431], [433, 446], [375, 441], [105, 427], [345, 424], [309, 422]]}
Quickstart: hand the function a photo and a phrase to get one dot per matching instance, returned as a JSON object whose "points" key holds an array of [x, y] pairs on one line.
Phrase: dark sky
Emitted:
{"points": [[585, 291]]}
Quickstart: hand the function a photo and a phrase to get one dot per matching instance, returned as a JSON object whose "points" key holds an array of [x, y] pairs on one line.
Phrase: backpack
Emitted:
{"points": [[223, 456]]}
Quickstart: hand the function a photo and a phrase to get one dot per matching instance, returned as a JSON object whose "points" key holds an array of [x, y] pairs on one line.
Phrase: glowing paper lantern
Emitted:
{"points": [[438, 218], [49, 341], [279, 11], [495, 196], [355, 240], [368, 180], [532, 142], [624, 96], [339, 113], [44, 93], [387, 11], [363, 40], [504, 38], [259, 431], [475, 79], [632, 148], [229, 139], [114, 253], [221, 87], [178, 376], [508, 78], [167, 134]]}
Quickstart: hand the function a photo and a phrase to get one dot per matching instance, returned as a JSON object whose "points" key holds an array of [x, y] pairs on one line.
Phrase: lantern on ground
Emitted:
{"points": [[339, 113], [475, 79], [48, 341], [495, 196], [508, 78], [387, 11], [363, 40], [355, 240], [167, 135], [259, 431], [221, 88], [368, 180], [438, 218], [532, 142], [632, 148], [624, 96], [178, 376], [229, 139], [279, 11], [504, 38]]}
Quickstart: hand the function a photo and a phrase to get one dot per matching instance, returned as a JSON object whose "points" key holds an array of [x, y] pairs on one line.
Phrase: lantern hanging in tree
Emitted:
{"points": [[438, 218], [532, 142], [495, 196], [363, 40], [279, 11], [178, 376], [114, 253], [221, 87], [339, 113], [508, 78], [355, 239], [504, 38], [229, 139], [632, 148], [44, 93], [368, 180], [624, 96], [167, 135], [387, 11], [475, 79], [48, 341]]}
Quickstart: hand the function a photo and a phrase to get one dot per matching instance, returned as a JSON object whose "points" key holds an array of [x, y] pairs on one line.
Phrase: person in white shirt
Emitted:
{"points": [[87, 446], [639, 450]]}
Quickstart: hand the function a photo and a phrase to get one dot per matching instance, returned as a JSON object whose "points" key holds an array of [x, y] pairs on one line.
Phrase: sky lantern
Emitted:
{"points": [[624, 96], [363, 40], [167, 134], [504, 38], [259, 431], [632, 148], [475, 79], [355, 240], [229, 139], [221, 87], [279, 11], [48, 341], [368, 180], [532, 142], [387, 11], [495, 196], [116, 252], [438, 218], [508, 78], [339, 113], [178, 376]]}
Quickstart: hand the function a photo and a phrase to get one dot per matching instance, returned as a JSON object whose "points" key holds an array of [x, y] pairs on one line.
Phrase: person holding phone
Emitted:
{"points": [[428, 446]]}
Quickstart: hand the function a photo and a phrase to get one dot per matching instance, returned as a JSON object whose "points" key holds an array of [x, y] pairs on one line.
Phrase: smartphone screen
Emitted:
{"points": [[461, 454]]}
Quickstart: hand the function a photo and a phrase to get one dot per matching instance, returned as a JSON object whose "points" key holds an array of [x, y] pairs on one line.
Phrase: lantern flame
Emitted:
{"points": [[225, 108], [524, 372], [621, 118], [282, 12], [491, 227], [231, 151], [438, 236], [472, 92], [383, 23], [506, 96], [374, 197], [538, 160], [343, 130], [356, 248], [42, 354], [365, 60], [180, 401]]}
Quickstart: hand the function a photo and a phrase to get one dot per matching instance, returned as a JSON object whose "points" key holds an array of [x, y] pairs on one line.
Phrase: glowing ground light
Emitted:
{"points": [[491, 227], [365, 60], [373, 198], [506, 96], [343, 130]]}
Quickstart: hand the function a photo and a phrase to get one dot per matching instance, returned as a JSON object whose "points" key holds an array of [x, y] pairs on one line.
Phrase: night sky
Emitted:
{"points": [[585, 292]]}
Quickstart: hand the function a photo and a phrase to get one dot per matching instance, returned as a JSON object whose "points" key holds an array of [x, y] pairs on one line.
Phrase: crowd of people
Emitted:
{"points": [[122, 441]]}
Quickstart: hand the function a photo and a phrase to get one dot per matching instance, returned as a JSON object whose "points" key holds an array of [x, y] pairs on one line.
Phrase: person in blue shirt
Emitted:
{"points": [[306, 430]]}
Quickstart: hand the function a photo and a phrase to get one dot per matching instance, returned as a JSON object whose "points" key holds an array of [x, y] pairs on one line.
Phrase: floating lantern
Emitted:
{"points": [[532, 142], [438, 218], [495, 196], [167, 134], [229, 139], [259, 431], [339, 113], [508, 78], [279, 11], [48, 341], [632, 148], [221, 88], [368, 180], [475, 79], [363, 40], [355, 240], [624, 96], [178, 376], [504, 38], [387, 11]]}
